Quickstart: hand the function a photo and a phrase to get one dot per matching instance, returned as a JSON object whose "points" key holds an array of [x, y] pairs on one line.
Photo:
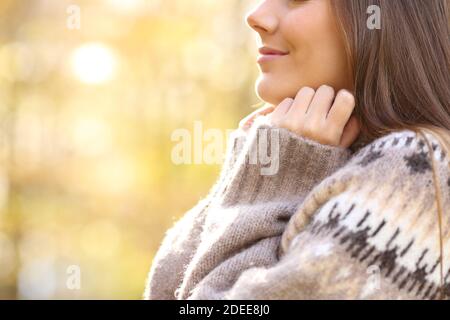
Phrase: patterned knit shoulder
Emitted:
{"points": [[381, 207]]}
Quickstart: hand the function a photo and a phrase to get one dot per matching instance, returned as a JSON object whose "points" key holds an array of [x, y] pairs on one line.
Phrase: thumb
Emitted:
{"points": [[351, 132]]}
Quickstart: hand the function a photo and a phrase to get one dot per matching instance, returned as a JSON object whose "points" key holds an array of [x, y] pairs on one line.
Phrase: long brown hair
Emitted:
{"points": [[401, 71]]}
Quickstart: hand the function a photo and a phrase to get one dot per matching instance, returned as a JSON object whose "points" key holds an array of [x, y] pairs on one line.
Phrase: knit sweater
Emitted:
{"points": [[329, 223]]}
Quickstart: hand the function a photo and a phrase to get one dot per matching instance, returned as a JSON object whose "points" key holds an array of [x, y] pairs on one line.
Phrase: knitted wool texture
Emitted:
{"points": [[332, 223]]}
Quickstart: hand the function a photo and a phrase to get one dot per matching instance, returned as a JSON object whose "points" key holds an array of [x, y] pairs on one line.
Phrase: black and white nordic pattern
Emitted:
{"points": [[359, 237], [357, 244]]}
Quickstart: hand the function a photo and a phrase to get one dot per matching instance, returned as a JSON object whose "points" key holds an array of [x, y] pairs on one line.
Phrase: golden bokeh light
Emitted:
{"points": [[86, 118], [94, 63]]}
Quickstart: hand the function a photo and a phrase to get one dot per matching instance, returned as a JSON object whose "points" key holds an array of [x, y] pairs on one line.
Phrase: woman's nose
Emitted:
{"points": [[262, 18]]}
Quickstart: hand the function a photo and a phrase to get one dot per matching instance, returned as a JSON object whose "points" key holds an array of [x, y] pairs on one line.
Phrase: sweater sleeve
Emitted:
{"points": [[369, 231], [182, 238], [242, 229]]}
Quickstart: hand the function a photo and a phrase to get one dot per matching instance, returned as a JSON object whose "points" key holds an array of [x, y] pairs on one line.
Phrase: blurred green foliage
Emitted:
{"points": [[86, 116]]}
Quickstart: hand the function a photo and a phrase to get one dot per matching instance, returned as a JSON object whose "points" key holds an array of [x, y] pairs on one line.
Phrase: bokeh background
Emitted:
{"points": [[86, 117]]}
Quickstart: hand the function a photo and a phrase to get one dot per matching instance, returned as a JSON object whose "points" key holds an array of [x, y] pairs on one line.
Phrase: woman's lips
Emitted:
{"points": [[270, 57], [269, 54]]}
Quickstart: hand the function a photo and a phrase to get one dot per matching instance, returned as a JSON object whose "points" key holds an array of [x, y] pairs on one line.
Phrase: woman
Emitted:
{"points": [[357, 205]]}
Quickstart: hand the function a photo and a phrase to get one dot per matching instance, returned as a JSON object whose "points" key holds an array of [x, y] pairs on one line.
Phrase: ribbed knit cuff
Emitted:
{"points": [[273, 161]]}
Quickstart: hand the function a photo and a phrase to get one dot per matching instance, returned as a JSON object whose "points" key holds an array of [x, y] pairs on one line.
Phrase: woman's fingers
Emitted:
{"points": [[319, 115], [278, 115], [342, 108], [284, 107], [320, 105], [301, 103]]}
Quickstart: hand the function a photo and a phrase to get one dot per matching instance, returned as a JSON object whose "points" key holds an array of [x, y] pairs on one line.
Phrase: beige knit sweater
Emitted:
{"points": [[331, 223]]}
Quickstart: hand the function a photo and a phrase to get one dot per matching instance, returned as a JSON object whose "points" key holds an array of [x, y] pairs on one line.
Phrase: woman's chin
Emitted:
{"points": [[270, 91]]}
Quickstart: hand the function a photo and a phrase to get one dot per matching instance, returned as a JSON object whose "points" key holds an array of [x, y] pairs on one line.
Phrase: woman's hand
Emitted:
{"points": [[319, 115]]}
